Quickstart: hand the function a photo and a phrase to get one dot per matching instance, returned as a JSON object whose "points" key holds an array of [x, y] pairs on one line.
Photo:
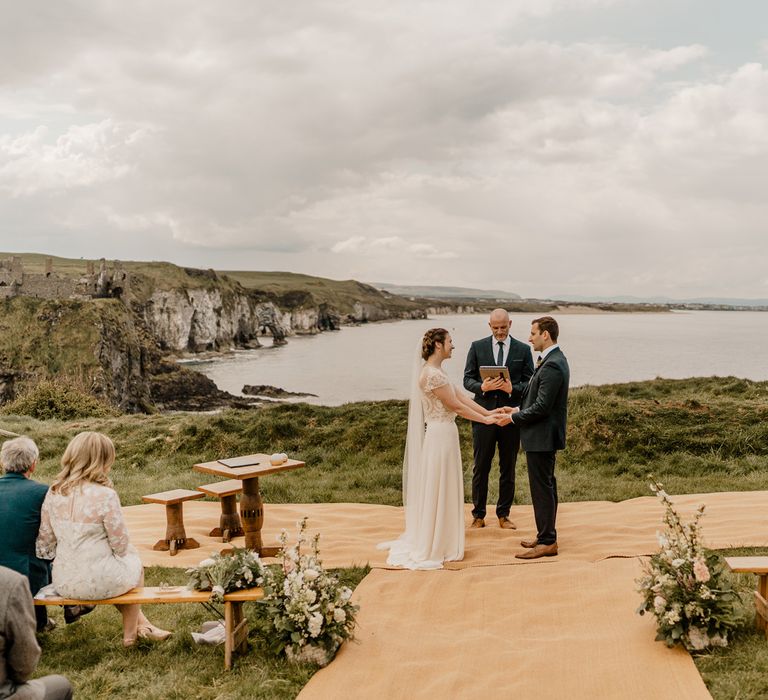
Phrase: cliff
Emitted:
{"points": [[113, 332]]}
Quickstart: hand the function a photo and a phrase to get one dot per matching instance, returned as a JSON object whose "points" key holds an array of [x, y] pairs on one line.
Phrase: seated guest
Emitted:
{"points": [[20, 500], [82, 526], [19, 652]]}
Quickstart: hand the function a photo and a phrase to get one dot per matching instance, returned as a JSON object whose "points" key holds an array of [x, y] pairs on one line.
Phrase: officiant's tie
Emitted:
{"points": [[500, 358], [539, 360]]}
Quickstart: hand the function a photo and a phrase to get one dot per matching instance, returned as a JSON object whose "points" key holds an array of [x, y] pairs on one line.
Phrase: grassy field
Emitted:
{"points": [[694, 435]]}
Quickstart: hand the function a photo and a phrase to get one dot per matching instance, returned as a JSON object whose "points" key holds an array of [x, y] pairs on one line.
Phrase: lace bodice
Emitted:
{"points": [[81, 509], [434, 410]]}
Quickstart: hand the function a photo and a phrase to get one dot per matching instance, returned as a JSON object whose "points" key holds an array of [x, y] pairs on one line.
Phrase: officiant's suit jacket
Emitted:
{"points": [[520, 365], [544, 408]]}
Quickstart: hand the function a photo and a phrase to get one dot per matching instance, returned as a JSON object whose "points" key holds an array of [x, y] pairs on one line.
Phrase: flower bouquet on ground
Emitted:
{"points": [[224, 573], [306, 613], [685, 586]]}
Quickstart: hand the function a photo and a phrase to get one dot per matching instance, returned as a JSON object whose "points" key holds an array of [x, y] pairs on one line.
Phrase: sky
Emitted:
{"points": [[542, 147]]}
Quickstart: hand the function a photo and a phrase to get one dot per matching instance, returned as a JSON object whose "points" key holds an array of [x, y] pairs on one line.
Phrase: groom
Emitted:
{"points": [[542, 418], [500, 349]]}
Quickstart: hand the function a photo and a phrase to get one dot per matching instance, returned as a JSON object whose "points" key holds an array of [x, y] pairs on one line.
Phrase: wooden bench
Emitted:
{"points": [[235, 624], [229, 521], [175, 535], [759, 566]]}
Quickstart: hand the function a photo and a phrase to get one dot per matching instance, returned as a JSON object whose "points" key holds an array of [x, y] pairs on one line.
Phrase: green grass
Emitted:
{"points": [[91, 655], [694, 435]]}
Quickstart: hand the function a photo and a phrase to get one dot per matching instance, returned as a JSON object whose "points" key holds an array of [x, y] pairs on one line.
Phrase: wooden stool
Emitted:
{"points": [[759, 566], [229, 522], [175, 535]]}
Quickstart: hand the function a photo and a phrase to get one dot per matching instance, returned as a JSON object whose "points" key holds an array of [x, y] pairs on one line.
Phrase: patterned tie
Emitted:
{"points": [[500, 359], [539, 360]]}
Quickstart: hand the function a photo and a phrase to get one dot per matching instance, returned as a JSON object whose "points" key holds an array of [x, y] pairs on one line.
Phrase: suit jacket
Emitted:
{"points": [[20, 502], [520, 365], [544, 408]]}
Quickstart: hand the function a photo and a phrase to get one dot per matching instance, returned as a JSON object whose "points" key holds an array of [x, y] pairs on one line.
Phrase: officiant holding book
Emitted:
{"points": [[499, 350]]}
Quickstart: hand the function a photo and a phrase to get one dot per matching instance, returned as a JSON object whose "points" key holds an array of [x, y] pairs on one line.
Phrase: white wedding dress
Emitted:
{"points": [[434, 490], [85, 532]]}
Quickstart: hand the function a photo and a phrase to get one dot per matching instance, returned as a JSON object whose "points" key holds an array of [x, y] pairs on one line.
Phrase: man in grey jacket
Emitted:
{"points": [[19, 651]]}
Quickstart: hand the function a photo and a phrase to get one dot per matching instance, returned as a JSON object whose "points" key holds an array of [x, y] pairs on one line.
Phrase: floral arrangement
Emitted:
{"points": [[224, 573], [684, 586], [306, 612]]}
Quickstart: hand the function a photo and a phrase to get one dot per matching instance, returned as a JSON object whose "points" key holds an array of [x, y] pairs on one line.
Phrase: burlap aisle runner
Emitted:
{"points": [[588, 531], [554, 628], [549, 630]]}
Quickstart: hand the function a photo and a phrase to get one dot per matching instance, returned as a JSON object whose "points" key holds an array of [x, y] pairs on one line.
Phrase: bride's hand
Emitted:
{"points": [[491, 419]]}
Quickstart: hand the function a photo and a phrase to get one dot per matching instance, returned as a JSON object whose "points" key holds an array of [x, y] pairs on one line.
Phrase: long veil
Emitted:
{"points": [[414, 442]]}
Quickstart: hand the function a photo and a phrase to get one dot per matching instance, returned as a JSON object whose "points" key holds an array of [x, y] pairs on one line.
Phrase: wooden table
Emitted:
{"points": [[251, 505]]}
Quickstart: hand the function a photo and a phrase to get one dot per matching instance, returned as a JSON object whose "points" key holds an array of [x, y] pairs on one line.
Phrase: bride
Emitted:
{"points": [[433, 484]]}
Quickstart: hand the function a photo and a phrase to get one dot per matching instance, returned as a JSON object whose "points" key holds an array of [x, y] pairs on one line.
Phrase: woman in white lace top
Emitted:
{"points": [[433, 484], [83, 531]]}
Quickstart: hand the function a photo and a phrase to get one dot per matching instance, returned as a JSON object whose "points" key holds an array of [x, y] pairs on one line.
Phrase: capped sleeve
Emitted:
{"points": [[433, 379]]}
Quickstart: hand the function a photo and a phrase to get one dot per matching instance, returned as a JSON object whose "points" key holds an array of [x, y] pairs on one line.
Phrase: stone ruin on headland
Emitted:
{"points": [[101, 284]]}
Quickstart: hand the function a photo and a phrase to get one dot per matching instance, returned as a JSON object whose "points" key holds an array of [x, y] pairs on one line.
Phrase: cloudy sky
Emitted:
{"points": [[545, 147]]}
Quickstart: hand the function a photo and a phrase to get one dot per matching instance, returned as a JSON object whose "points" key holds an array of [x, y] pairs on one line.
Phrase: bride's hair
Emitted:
{"points": [[88, 457], [431, 337]]}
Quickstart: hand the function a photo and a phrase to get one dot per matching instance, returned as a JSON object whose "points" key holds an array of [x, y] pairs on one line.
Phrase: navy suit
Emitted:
{"points": [[20, 502], [542, 421], [485, 438]]}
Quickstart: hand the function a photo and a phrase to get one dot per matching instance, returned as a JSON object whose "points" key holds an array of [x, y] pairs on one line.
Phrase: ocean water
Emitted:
{"points": [[373, 361]]}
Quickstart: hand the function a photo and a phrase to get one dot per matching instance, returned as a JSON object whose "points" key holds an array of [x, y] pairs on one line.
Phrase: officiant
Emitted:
{"points": [[499, 349]]}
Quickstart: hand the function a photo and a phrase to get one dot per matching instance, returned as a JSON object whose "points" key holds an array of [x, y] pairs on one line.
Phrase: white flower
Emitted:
{"points": [[677, 563], [698, 638], [346, 594], [718, 641], [672, 616], [311, 574], [207, 562], [219, 590], [315, 624], [659, 604], [700, 570], [339, 615]]}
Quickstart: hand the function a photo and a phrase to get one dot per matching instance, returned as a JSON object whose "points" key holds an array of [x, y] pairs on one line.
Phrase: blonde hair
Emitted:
{"points": [[88, 457]]}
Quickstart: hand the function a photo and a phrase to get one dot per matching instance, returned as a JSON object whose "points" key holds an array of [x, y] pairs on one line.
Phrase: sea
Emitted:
{"points": [[373, 362]]}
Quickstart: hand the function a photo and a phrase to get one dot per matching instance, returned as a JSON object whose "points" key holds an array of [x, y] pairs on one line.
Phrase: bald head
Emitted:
{"points": [[499, 324]]}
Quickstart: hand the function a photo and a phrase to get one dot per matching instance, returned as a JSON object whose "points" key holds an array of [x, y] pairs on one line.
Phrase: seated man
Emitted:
{"points": [[20, 501], [19, 651]]}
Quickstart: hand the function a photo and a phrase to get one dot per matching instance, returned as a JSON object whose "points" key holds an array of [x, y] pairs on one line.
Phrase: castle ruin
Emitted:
{"points": [[101, 284]]}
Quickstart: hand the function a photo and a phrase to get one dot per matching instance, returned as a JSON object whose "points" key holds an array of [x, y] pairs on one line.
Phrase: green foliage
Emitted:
{"points": [[685, 586], [222, 574], [58, 400], [306, 612]]}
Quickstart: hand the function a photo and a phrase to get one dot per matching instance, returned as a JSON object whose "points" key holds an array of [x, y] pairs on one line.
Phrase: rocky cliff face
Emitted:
{"points": [[196, 320]]}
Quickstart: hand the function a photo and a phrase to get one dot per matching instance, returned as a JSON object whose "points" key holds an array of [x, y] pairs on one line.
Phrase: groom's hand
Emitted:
{"points": [[503, 419]]}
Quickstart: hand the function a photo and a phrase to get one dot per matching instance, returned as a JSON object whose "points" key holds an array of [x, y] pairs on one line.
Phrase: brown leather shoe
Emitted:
{"points": [[506, 524], [540, 550], [477, 522], [528, 544]]}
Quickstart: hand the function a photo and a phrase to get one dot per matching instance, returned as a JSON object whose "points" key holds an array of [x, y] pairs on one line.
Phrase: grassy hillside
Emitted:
{"points": [[291, 287], [695, 435]]}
